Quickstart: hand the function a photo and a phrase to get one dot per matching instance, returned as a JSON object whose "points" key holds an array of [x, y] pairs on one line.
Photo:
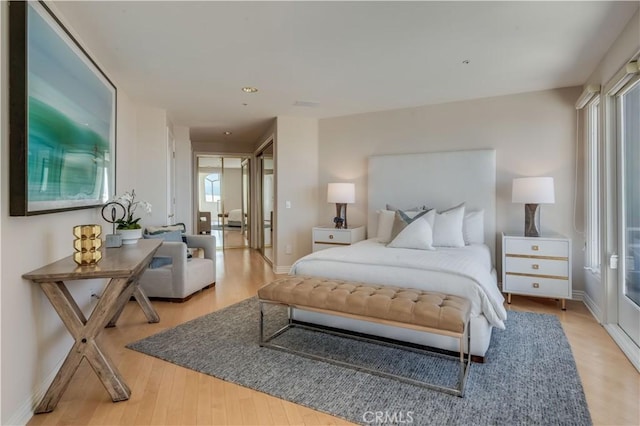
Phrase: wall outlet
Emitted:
{"points": [[95, 291], [287, 249]]}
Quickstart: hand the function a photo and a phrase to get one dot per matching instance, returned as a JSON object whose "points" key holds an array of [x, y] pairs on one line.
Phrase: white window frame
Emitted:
{"points": [[593, 175]]}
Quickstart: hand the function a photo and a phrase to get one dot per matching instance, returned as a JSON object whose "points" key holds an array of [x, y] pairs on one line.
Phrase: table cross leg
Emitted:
{"points": [[144, 302], [116, 293]]}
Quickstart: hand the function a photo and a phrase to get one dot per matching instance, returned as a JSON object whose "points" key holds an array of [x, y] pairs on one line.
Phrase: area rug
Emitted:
{"points": [[530, 376]]}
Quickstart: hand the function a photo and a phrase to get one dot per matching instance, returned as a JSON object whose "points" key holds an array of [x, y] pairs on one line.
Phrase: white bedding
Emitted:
{"points": [[464, 272], [235, 215]]}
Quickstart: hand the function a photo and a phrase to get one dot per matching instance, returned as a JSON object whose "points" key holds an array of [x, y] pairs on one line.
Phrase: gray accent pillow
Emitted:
{"points": [[175, 236], [160, 261]]}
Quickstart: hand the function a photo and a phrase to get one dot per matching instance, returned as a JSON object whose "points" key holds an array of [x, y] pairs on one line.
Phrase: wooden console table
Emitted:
{"points": [[123, 265]]}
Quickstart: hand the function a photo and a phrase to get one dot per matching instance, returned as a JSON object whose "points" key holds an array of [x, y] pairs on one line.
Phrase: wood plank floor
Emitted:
{"points": [[165, 394]]}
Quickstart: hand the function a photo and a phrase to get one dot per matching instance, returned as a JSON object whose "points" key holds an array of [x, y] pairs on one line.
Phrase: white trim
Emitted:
{"points": [[282, 269], [26, 410], [592, 307], [577, 295], [588, 93], [625, 343]]}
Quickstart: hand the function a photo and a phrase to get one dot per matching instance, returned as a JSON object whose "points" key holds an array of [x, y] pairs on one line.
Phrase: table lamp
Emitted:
{"points": [[533, 191], [341, 194]]}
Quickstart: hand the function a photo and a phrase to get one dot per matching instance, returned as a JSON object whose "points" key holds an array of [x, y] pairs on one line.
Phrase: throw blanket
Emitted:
{"points": [[373, 262]]}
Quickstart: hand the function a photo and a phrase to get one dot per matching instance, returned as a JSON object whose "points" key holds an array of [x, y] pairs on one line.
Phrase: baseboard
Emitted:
{"points": [[281, 269], [25, 412], [577, 295], [625, 343], [592, 307]]}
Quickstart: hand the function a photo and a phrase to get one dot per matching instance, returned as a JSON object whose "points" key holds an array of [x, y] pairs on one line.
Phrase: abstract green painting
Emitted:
{"points": [[65, 136]]}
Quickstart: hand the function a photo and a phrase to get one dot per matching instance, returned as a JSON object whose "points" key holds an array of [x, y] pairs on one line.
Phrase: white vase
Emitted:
{"points": [[129, 236]]}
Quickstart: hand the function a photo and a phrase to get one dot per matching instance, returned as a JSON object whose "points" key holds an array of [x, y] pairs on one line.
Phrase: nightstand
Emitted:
{"points": [[325, 237], [536, 266]]}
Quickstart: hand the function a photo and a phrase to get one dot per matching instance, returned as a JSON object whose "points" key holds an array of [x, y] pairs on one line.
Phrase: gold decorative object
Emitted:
{"points": [[87, 244]]}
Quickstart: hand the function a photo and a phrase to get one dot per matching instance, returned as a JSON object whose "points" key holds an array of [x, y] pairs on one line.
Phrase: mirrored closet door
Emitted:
{"points": [[222, 204]]}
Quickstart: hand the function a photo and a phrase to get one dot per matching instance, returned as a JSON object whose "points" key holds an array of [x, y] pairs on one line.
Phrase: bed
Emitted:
{"points": [[234, 218], [462, 180]]}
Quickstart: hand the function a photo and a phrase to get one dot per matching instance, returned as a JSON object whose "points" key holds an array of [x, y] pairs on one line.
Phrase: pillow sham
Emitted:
{"points": [[447, 228], [473, 227], [412, 209], [386, 219], [416, 235], [402, 219], [385, 225]]}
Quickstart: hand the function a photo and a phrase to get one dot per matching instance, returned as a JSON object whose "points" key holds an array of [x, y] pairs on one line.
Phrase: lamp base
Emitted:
{"points": [[531, 220], [341, 216]]}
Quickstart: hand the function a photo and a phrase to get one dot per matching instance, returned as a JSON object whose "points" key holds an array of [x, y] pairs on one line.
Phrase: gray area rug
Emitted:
{"points": [[530, 376]]}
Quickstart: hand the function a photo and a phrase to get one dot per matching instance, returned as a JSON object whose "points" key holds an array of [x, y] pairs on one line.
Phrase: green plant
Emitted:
{"points": [[128, 201]]}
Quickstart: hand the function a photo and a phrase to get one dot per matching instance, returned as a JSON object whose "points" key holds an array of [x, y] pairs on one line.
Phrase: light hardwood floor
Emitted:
{"points": [[162, 393]]}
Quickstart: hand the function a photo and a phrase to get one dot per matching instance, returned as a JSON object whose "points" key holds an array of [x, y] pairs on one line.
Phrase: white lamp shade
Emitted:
{"points": [[341, 193], [533, 190]]}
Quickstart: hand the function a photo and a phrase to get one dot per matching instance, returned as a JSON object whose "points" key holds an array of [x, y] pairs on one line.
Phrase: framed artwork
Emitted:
{"points": [[62, 118]]}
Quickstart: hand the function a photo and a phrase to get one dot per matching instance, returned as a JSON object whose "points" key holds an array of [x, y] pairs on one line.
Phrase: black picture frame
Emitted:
{"points": [[62, 117]]}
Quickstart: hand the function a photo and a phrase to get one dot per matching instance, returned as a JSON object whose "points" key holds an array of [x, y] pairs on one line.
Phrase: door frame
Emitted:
{"points": [[194, 180], [259, 214], [610, 219]]}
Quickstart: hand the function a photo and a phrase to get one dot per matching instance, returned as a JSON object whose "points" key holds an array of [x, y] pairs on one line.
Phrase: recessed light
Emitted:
{"points": [[227, 133], [466, 62], [249, 89]]}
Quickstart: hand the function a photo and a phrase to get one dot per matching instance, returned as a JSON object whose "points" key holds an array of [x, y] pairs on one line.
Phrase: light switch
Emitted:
{"points": [[287, 204]]}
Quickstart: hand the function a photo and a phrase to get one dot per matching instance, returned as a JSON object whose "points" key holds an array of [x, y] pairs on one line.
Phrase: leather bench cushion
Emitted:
{"points": [[404, 305]]}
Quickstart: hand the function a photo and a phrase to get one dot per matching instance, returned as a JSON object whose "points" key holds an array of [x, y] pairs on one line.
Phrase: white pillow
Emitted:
{"points": [[447, 228], [416, 235], [385, 225], [473, 227]]}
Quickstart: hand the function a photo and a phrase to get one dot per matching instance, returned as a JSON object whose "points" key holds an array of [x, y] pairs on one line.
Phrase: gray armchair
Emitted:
{"points": [[179, 280]]}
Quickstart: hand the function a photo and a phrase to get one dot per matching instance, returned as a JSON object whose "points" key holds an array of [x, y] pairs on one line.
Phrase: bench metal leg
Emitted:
{"points": [[464, 366]]}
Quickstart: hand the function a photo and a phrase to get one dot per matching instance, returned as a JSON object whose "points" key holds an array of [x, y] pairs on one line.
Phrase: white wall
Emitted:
{"points": [[34, 340], [232, 188], [533, 134], [184, 190], [151, 164], [296, 169]]}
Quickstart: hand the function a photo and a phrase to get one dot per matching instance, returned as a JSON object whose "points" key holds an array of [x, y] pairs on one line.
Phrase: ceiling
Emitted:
{"points": [[327, 59]]}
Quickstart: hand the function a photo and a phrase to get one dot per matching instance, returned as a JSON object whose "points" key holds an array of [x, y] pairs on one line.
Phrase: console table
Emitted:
{"points": [[123, 265]]}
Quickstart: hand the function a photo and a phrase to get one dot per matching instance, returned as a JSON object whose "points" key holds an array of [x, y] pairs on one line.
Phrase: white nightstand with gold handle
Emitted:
{"points": [[536, 266], [327, 237]]}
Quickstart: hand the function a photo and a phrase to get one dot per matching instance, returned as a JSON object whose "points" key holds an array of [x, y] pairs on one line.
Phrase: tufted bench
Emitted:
{"points": [[430, 312]]}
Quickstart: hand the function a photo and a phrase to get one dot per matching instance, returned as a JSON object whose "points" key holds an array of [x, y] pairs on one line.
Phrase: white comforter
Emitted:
{"points": [[464, 272]]}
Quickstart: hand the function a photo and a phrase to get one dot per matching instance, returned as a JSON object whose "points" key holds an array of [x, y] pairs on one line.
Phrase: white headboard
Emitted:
{"points": [[438, 180]]}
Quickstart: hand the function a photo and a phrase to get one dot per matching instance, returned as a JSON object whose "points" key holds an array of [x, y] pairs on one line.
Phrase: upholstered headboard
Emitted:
{"points": [[438, 180]]}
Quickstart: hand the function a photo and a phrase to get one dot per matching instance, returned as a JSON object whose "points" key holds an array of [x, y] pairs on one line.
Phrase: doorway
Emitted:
{"points": [[222, 202], [266, 202]]}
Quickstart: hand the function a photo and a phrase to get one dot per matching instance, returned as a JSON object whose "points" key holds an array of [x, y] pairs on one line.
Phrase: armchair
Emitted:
{"points": [[179, 280]]}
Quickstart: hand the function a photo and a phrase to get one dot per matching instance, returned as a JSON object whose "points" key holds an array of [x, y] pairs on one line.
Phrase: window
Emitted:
{"points": [[592, 150], [628, 110], [212, 188]]}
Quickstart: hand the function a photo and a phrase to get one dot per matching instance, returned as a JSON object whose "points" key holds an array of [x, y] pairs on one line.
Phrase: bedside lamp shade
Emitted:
{"points": [[341, 194], [533, 191]]}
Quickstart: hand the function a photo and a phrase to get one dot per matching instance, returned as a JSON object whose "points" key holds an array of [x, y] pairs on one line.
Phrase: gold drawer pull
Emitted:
{"points": [[535, 266], [331, 236], [536, 285], [535, 248]]}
